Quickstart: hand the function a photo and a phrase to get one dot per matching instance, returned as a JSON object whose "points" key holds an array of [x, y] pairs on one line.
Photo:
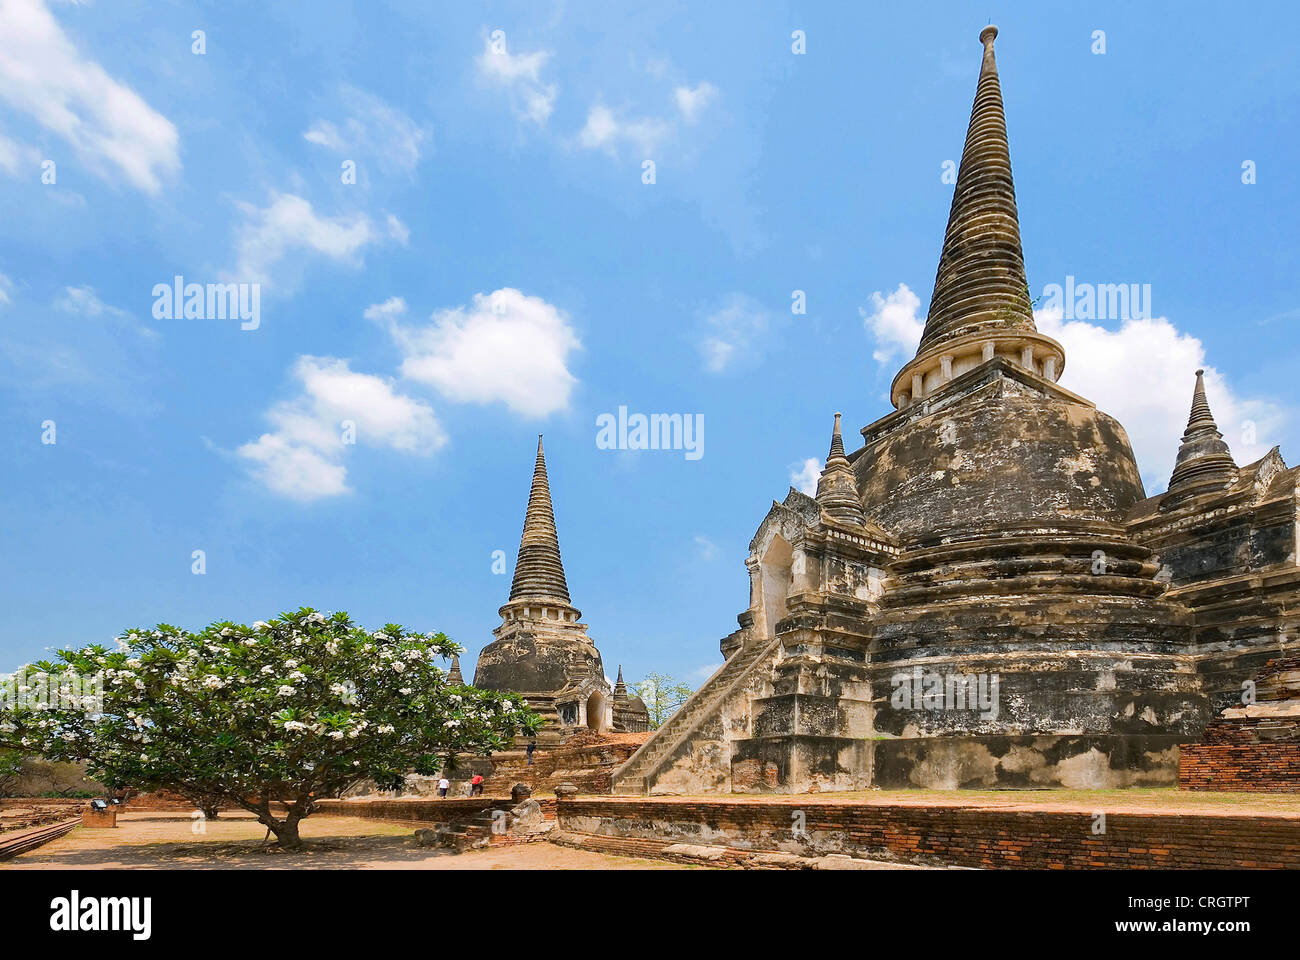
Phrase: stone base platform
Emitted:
{"points": [[1104, 831]]}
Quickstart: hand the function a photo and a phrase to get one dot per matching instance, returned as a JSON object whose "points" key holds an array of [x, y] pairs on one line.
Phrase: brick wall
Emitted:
{"points": [[460, 810], [1234, 757], [1252, 747], [969, 837]]}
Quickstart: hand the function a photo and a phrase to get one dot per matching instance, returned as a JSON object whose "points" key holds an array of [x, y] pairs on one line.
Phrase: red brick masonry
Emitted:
{"points": [[1232, 757], [945, 835], [1252, 747], [424, 810]]}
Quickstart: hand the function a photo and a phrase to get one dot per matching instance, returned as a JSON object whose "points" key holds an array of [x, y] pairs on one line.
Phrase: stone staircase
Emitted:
{"points": [[633, 777]]}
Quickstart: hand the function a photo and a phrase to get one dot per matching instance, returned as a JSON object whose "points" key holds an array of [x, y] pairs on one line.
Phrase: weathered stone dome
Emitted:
{"points": [[535, 661], [1009, 451]]}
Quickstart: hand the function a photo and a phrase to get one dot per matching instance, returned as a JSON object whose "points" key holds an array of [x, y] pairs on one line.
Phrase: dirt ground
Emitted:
{"points": [[234, 842]]}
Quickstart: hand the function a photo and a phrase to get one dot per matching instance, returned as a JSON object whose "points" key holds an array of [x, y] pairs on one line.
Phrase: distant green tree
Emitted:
{"points": [[662, 694], [11, 768]]}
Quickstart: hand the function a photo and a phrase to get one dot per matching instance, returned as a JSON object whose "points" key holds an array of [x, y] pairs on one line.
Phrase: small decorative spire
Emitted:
{"points": [[454, 676], [1204, 461], [1200, 415], [620, 688], [837, 442], [837, 489]]}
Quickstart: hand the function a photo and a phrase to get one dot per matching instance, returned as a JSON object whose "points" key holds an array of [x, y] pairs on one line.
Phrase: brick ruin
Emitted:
{"points": [[1255, 745], [982, 594]]}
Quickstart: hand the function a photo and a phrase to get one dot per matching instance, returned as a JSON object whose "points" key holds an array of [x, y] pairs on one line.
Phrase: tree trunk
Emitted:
{"points": [[286, 832], [210, 812]]}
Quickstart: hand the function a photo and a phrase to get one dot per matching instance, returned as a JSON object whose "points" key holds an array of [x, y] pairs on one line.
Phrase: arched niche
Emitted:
{"points": [[775, 579]]}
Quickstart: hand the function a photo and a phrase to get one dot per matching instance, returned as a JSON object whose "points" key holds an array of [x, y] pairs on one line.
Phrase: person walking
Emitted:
{"points": [[532, 745], [443, 786], [476, 785]]}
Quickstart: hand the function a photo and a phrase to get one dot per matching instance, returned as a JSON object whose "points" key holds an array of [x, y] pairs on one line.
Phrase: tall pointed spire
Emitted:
{"points": [[980, 283], [539, 571], [980, 309], [620, 688], [837, 490], [454, 675], [1204, 461]]}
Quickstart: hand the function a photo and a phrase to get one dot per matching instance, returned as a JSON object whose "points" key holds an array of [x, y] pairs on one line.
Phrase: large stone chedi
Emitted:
{"points": [[982, 594], [541, 650]]}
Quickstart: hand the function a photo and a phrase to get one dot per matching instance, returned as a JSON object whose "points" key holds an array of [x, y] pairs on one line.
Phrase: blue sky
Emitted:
{"points": [[499, 269]]}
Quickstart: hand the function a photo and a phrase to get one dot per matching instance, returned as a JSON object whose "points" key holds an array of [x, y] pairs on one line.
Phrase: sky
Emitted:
{"points": [[462, 226]]}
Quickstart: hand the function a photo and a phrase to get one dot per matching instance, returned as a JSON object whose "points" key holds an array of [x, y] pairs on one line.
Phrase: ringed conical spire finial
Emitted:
{"points": [[539, 571], [837, 489], [1204, 461], [454, 675], [837, 441], [1200, 415], [980, 309], [981, 282]]}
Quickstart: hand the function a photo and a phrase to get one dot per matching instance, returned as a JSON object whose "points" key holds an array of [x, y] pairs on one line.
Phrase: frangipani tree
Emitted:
{"points": [[270, 717]]}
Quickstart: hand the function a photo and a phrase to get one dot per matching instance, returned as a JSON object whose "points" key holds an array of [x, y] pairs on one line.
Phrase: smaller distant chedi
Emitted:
{"points": [[541, 649]]}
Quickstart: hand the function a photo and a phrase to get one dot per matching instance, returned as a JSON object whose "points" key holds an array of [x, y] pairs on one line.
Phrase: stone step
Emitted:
{"points": [[701, 703]]}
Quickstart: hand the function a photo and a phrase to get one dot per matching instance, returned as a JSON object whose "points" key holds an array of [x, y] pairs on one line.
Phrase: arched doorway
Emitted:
{"points": [[775, 582], [596, 712]]}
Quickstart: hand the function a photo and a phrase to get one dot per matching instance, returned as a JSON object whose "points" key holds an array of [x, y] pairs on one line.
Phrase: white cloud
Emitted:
{"points": [[1143, 374], [294, 471], [705, 548], [288, 223], [521, 75], [44, 75], [804, 476], [386, 312], [371, 128], [78, 347], [14, 156], [699, 674], [895, 322], [302, 457], [505, 346], [692, 101], [734, 333], [605, 130], [397, 230], [85, 302]]}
